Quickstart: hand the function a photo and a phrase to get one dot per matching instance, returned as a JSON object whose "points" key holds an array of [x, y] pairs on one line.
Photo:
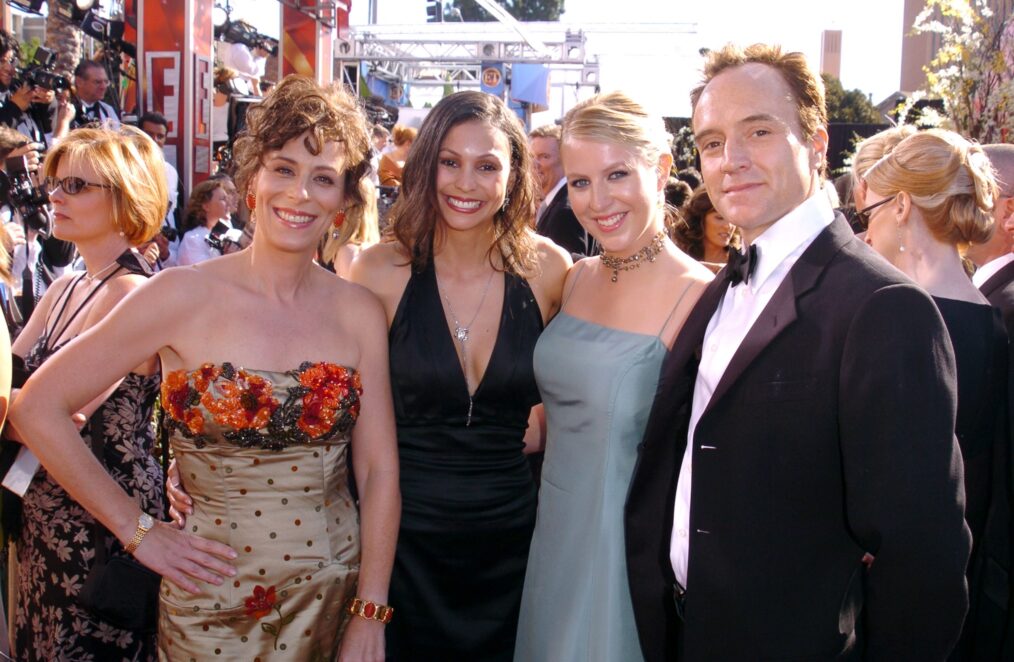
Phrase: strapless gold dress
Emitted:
{"points": [[264, 456]]}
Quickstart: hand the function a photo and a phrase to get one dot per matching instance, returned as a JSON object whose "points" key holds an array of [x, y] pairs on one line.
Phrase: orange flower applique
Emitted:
{"points": [[330, 388], [244, 402], [176, 401]]}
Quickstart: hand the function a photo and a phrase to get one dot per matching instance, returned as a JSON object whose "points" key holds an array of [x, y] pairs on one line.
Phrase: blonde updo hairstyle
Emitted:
{"points": [[949, 179], [298, 106], [131, 164], [613, 117], [872, 149]]}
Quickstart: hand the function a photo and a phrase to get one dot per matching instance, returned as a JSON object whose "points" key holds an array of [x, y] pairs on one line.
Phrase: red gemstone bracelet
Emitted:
{"points": [[370, 610]]}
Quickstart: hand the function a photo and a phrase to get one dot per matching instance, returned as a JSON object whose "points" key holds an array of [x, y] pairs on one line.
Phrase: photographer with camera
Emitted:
{"points": [[208, 231], [248, 59], [28, 93], [90, 85], [37, 257]]}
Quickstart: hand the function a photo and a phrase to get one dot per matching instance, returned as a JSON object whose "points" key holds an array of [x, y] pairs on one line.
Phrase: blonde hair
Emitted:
{"points": [[613, 117], [365, 220], [872, 149], [949, 179], [131, 163]]}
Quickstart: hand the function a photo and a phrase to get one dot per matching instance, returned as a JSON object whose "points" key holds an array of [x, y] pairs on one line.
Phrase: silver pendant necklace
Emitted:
{"points": [[461, 335]]}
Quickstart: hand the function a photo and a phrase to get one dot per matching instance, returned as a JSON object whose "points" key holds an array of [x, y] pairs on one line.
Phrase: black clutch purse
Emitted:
{"points": [[122, 592], [118, 589]]}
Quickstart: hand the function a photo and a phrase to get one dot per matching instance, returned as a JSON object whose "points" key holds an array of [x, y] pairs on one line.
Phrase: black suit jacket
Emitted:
{"points": [[830, 436], [991, 618], [999, 289], [560, 224]]}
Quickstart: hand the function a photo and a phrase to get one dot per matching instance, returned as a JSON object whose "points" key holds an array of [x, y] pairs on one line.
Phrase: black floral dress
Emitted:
{"points": [[56, 549]]}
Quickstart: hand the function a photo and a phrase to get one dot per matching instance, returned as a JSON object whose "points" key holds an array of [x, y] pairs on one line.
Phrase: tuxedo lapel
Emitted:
{"points": [[781, 311], [550, 210], [998, 280]]}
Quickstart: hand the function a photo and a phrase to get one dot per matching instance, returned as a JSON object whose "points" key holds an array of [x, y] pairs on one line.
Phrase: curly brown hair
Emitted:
{"points": [[415, 215], [298, 106], [689, 233]]}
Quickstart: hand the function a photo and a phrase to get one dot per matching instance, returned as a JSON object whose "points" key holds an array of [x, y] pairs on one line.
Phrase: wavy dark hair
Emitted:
{"points": [[415, 215], [688, 232], [298, 105]]}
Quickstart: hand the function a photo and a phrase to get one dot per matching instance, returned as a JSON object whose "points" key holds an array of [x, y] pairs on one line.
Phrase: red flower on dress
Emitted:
{"points": [[261, 603], [175, 397], [245, 402], [330, 387]]}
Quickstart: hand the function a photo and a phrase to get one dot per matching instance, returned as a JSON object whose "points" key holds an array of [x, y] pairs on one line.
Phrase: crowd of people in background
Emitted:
{"points": [[561, 400]]}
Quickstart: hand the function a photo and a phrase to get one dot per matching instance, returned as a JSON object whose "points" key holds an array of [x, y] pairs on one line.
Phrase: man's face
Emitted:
{"points": [[548, 167], [8, 70], [757, 166], [91, 87], [158, 132]]}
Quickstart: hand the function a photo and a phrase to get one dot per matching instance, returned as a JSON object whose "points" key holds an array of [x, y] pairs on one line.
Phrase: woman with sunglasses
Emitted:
{"points": [[108, 194], [272, 377], [925, 199]]}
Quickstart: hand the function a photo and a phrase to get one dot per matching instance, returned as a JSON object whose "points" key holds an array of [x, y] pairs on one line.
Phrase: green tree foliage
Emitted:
{"points": [[523, 10], [971, 71], [848, 106]]}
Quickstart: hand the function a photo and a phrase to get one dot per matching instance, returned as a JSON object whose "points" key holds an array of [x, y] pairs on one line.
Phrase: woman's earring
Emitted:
{"points": [[506, 203], [336, 225], [251, 201], [901, 246]]}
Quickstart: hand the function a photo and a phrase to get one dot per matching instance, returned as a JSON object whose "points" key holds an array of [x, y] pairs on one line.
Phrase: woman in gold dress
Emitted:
{"points": [[273, 369]]}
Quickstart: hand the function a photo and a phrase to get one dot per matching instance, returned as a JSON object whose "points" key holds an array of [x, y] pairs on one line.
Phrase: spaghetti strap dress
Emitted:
{"points": [[576, 605], [468, 496]]}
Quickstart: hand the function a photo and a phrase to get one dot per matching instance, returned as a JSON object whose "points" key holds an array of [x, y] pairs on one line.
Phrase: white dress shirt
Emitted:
{"points": [[778, 249], [988, 270]]}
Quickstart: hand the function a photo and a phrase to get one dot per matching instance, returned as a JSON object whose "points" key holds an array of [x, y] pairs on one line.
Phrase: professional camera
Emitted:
{"points": [[39, 73], [238, 32], [17, 190], [222, 235]]}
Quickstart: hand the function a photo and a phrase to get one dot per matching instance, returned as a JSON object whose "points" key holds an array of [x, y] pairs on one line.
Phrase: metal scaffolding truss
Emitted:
{"points": [[437, 54]]}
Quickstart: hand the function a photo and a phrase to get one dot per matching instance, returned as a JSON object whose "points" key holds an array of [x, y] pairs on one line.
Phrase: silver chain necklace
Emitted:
{"points": [[461, 334]]}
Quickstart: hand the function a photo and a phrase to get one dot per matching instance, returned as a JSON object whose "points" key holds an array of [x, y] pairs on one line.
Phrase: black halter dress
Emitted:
{"points": [[468, 497]]}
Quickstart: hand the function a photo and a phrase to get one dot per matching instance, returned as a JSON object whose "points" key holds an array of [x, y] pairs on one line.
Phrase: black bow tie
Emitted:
{"points": [[741, 265]]}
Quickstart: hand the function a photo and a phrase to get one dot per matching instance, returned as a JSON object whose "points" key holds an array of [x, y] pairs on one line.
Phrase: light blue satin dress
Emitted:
{"points": [[597, 385]]}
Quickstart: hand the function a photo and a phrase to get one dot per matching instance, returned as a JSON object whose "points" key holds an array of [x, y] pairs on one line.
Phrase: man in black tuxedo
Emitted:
{"points": [[798, 493], [554, 218]]}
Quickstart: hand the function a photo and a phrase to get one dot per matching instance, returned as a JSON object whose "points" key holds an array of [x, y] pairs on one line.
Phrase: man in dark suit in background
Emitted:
{"points": [[798, 493], [554, 218], [991, 619], [994, 259]]}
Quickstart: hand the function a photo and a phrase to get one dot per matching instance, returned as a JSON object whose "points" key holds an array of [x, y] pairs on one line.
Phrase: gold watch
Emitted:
{"points": [[144, 524]]}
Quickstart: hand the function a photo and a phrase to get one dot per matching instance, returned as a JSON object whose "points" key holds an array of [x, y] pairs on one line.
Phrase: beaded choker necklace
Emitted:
{"points": [[646, 254]]}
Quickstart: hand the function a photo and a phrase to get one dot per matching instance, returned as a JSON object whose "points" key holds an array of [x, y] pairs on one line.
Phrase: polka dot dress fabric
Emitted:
{"points": [[278, 495]]}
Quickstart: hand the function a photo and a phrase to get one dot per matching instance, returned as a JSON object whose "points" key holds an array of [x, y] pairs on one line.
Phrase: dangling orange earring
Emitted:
{"points": [[336, 226], [251, 201]]}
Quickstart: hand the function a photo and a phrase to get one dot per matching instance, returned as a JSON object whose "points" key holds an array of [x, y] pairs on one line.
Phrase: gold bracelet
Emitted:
{"points": [[370, 610]]}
